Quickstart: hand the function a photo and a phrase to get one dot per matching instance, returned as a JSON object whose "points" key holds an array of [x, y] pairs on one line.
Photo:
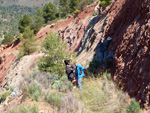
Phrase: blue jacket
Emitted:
{"points": [[80, 68]]}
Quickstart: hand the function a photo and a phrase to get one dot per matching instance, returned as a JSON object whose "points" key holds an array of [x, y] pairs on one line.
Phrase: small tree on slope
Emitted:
{"points": [[29, 42], [55, 54], [24, 22]]}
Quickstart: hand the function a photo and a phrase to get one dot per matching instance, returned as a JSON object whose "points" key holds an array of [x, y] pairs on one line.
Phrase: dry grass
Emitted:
{"points": [[101, 96], [71, 105]]}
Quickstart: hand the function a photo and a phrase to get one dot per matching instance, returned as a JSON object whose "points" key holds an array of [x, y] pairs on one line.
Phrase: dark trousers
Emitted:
{"points": [[70, 77]]}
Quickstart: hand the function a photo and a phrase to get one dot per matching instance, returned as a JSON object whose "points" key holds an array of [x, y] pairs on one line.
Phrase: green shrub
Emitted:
{"points": [[54, 99], [7, 39], [25, 92], [76, 11], [25, 109], [5, 94], [65, 84], [134, 107], [70, 86], [105, 3], [11, 88], [106, 75], [32, 75], [95, 13], [62, 85], [35, 91]]}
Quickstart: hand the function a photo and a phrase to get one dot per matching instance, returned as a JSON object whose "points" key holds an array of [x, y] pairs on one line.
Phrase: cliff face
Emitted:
{"points": [[130, 30], [128, 23]]}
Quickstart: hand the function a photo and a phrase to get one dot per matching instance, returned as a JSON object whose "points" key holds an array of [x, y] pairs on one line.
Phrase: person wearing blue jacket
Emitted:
{"points": [[79, 74]]}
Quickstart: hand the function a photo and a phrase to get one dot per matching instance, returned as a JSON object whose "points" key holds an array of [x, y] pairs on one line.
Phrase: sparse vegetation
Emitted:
{"points": [[101, 96], [35, 91], [71, 104], [4, 95], [25, 109], [134, 107], [54, 99], [65, 85]]}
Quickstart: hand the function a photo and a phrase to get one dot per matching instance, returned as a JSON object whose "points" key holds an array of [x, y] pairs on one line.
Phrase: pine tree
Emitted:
{"points": [[24, 22], [64, 7], [29, 42], [39, 20], [55, 54], [73, 5], [7, 39], [49, 12]]}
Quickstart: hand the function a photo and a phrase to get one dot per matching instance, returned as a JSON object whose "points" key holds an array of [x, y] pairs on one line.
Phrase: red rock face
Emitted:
{"points": [[8, 54], [5, 64], [128, 23], [130, 30]]}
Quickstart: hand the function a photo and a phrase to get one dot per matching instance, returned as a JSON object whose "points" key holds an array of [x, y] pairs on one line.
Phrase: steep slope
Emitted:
{"points": [[71, 29], [128, 23], [8, 54]]}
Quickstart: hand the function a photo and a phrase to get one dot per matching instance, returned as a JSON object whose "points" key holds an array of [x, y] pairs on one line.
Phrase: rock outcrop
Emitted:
{"points": [[8, 54], [128, 23], [71, 29]]}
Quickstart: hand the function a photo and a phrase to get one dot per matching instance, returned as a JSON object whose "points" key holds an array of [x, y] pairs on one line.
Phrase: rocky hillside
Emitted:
{"points": [[18, 68], [128, 23]]}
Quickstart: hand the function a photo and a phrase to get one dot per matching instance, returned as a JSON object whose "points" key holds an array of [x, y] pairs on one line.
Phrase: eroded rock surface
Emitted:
{"points": [[128, 23]]}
